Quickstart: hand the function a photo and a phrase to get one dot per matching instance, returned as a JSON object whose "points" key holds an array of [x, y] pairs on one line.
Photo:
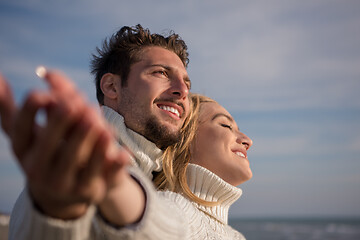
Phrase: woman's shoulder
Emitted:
{"points": [[180, 201]]}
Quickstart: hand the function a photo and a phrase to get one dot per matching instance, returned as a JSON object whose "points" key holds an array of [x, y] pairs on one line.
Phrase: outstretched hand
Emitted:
{"points": [[71, 161]]}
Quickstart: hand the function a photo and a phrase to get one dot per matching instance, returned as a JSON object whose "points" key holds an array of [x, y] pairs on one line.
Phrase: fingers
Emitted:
{"points": [[105, 166], [90, 180], [73, 158], [67, 109], [77, 163], [7, 105], [65, 159], [61, 158], [56, 80], [76, 151], [47, 142], [24, 125], [60, 85]]}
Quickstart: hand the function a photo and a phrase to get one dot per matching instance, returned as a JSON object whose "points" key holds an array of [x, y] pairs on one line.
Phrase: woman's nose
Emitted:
{"points": [[244, 140]]}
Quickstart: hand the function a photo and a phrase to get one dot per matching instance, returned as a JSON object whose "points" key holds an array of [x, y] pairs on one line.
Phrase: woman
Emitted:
{"points": [[198, 182], [201, 171]]}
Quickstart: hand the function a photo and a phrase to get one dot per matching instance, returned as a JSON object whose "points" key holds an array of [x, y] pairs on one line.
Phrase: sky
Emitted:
{"points": [[287, 70]]}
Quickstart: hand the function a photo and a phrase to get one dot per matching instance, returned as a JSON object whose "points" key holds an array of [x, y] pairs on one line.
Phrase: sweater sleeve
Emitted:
{"points": [[162, 219], [26, 222]]}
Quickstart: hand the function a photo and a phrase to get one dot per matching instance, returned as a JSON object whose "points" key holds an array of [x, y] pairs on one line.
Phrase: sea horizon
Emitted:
{"points": [[298, 228], [295, 217]]}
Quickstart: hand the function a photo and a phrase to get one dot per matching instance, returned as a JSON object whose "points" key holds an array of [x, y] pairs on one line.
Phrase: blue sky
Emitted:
{"points": [[288, 71]]}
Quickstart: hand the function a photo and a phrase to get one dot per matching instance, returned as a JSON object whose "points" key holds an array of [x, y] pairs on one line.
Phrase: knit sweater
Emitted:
{"points": [[207, 222], [198, 221], [26, 223], [167, 215]]}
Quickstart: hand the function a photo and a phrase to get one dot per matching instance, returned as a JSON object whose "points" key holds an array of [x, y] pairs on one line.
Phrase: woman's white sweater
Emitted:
{"points": [[195, 221], [207, 222]]}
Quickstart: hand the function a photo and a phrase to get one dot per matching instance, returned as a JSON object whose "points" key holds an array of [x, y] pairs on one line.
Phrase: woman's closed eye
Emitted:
{"points": [[226, 126]]}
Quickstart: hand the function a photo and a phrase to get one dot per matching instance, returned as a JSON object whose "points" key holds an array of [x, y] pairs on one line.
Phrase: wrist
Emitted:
{"points": [[124, 204], [64, 212], [58, 209]]}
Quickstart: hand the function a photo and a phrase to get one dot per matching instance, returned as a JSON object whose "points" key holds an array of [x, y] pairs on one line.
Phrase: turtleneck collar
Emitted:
{"points": [[210, 187], [147, 155]]}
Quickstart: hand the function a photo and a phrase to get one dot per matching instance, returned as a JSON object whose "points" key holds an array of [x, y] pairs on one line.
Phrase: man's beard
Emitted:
{"points": [[159, 134]]}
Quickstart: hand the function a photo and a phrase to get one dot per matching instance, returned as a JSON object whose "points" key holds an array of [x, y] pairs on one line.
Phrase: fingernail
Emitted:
{"points": [[41, 71]]}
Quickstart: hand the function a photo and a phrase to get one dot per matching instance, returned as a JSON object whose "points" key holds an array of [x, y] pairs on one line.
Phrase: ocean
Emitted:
{"points": [[298, 229]]}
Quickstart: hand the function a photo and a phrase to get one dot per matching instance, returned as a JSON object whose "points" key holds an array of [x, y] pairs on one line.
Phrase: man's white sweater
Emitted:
{"points": [[167, 215]]}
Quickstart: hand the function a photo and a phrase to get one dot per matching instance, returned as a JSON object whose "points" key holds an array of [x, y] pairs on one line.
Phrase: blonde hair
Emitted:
{"points": [[176, 157]]}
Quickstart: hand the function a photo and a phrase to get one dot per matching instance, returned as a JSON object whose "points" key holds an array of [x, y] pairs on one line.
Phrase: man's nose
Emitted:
{"points": [[179, 88]]}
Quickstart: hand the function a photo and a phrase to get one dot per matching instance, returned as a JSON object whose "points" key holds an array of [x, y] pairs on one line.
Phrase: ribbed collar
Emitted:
{"points": [[208, 186], [147, 155]]}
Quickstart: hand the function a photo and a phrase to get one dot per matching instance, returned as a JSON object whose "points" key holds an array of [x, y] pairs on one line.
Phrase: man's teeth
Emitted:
{"points": [[240, 154], [170, 109]]}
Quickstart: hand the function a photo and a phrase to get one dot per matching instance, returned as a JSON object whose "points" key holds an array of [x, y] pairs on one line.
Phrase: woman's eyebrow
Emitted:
{"points": [[226, 116], [222, 115]]}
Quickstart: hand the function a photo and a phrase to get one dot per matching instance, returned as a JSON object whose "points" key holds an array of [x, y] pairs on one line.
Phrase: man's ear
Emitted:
{"points": [[109, 84]]}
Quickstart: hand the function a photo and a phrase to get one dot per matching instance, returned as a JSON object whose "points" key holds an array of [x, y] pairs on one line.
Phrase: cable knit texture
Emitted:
{"points": [[208, 186], [170, 215], [147, 155], [207, 222], [28, 223]]}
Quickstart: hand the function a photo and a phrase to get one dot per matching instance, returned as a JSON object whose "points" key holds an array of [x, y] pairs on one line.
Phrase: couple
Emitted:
{"points": [[78, 183]]}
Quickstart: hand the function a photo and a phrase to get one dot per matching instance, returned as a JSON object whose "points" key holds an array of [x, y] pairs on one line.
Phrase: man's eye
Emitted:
{"points": [[226, 126], [188, 84], [161, 72]]}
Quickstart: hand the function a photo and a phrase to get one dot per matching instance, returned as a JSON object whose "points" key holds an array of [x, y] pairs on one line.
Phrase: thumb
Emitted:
{"points": [[117, 168]]}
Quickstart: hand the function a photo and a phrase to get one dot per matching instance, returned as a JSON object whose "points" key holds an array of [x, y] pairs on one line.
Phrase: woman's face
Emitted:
{"points": [[219, 146]]}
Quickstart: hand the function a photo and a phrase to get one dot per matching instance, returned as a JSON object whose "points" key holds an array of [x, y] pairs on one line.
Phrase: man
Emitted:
{"points": [[70, 163]]}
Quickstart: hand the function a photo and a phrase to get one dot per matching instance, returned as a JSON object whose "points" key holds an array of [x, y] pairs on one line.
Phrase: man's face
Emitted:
{"points": [[155, 103]]}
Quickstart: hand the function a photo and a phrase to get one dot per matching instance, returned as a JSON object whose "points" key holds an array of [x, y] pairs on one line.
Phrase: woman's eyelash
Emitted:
{"points": [[227, 126]]}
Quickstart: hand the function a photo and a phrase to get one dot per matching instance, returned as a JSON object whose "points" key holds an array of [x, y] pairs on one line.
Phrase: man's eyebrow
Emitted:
{"points": [[160, 65]]}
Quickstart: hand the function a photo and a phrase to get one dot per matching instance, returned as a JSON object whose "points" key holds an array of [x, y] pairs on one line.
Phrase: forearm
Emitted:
{"points": [[57, 209], [27, 222], [124, 204]]}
